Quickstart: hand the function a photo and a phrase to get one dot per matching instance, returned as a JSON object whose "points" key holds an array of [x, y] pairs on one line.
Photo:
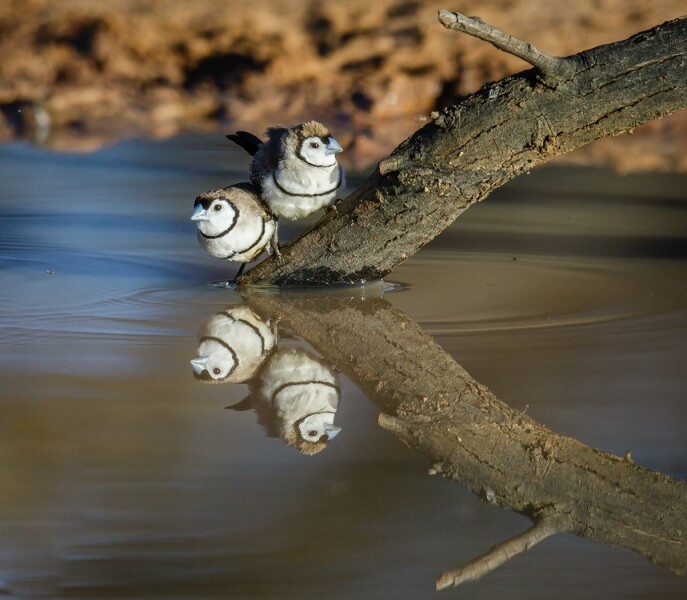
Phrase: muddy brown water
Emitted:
{"points": [[122, 476]]}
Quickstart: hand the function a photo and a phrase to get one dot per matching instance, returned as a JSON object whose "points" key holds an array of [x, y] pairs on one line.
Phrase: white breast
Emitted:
{"points": [[297, 384], [244, 242], [295, 192], [237, 340]]}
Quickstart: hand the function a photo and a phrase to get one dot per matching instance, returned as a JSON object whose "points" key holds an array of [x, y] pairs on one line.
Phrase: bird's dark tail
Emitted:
{"points": [[249, 142], [245, 404]]}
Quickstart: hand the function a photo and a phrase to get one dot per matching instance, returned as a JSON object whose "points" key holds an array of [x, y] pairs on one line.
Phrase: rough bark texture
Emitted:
{"points": [[505, 129], [433, 405]]}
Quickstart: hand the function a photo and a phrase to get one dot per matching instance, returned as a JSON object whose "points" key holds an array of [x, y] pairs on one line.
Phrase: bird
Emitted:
{"points": [[232, 346], [295, 171], [295, 396], [233, 224]]}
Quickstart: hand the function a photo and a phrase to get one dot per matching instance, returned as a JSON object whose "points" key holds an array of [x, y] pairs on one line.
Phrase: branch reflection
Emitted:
{"points": [[434, 406]]}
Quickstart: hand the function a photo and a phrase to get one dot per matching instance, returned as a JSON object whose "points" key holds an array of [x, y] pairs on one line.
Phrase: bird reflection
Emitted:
{"points": [[232, 345], [294, 393]]}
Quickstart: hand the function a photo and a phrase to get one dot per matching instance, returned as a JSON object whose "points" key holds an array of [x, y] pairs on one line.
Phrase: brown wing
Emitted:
{"points": [[266, 159]]}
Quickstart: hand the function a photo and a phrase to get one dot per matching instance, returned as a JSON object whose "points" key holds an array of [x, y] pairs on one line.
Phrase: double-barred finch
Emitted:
{"points": [[296, 397], [232, 346], [233, 224], [295, 170]]}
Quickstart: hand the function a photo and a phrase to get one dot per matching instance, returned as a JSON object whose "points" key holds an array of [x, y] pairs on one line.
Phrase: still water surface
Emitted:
{"points": [[122, 476]]}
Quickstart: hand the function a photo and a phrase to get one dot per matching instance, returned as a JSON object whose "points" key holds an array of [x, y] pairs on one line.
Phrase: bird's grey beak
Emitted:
{"points": [[199, 364], [199, 214], [333, 147], [332, 431]]}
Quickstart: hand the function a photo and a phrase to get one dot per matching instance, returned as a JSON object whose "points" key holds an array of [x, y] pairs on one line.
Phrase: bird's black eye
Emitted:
{"points": [[312, 433], [314, 144], [218, 207], [216, 371]]}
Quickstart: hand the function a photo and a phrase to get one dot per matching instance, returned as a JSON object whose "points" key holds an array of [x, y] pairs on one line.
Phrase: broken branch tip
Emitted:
{"points": [[446, 17]]}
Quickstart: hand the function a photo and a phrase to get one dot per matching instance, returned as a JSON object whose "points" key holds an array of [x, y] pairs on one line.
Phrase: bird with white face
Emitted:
{"points": [[295, 170], [233, 224], [232, 346], [296, 397]]}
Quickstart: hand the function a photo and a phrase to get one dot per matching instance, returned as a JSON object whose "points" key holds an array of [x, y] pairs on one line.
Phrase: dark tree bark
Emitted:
{"points": [[433, 405], [472, 148]]}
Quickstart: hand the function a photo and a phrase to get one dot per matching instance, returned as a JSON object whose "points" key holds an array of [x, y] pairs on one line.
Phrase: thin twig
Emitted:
{"points": [[550, 66], [498, 555]]}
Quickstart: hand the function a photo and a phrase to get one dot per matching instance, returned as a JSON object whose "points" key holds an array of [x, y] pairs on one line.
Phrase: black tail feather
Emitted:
{"points": [[249, 142], [245, 404]]}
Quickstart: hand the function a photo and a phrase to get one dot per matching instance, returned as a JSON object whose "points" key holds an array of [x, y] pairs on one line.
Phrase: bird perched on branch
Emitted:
{"points": [[295, 170], [233, 224]]}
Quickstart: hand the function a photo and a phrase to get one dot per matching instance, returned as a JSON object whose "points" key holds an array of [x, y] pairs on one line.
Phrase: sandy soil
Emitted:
{"points": [[76, 74]]}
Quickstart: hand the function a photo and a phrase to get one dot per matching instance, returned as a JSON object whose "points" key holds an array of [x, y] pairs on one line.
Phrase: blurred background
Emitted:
{"points": [[77, 74], [121, 476]]}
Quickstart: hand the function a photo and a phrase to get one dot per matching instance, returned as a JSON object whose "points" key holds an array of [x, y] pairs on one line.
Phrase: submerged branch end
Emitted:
{"points": [[551, 67], [498, 555]]}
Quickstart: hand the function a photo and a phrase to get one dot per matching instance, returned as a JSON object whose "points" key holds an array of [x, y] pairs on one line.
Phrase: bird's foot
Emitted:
{"points": [[332, 207], [227, 285], [273, 324], [274, 251]]}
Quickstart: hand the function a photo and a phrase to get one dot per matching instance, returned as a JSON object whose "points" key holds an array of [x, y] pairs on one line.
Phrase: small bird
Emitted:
{"points": [[295, 396], [295, 170], [233, 224], [232, 345]]}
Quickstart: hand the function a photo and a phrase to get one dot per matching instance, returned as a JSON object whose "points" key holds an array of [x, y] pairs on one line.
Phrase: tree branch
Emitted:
{"points": [[551, 67], [485, 564], [472, 148]]}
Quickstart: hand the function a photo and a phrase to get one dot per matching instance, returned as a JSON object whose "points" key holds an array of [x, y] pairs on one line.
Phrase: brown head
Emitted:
{"points": [[312, 143]]}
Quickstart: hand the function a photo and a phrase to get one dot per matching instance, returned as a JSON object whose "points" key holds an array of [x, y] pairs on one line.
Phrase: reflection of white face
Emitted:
{"points": [[232, 345], [220, 360], [318, 427], [318, 152], [221, 216]]}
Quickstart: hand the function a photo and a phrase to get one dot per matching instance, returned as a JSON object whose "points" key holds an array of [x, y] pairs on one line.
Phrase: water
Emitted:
{"points": [[122, 476]]}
